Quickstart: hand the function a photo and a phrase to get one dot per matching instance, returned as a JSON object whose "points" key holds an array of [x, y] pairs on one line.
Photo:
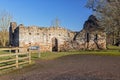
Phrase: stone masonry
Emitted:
{"points": [[91, 37], [49, 39]]}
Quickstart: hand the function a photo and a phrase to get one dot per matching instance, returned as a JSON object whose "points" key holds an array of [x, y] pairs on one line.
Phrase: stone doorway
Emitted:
{"points": [[54, 44]]}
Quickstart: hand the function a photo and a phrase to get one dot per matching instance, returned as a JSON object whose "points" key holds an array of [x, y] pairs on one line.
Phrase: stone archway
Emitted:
{"points": [[54, 44]]}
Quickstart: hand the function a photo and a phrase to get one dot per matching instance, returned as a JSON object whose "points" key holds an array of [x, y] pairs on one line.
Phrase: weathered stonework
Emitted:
{"points": [[92, 37], [47, 38], [58, 38], [97, 40]]}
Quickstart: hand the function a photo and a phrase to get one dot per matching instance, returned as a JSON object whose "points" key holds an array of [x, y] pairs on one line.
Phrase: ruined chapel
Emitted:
{"points": [[56, 38]]}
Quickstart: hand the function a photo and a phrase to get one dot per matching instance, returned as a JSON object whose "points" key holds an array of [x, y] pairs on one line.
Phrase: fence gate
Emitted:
{"points": [[13, 59]]}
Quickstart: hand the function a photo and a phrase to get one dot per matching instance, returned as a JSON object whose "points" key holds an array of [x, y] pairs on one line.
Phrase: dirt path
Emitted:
{"points": [[76, 67]]}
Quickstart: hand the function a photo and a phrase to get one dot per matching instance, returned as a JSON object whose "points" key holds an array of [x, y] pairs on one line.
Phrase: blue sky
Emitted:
{"points": [[71, 13]]}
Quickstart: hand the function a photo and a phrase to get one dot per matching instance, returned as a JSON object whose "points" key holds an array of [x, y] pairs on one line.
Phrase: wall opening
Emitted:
{"points": [[96, 41], [96, 37], [88, 37], [54, 44]]}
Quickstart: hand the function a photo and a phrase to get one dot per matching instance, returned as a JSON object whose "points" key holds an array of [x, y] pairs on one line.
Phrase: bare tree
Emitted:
{"points": [[56, 23], [5, 19], [108, 13]]}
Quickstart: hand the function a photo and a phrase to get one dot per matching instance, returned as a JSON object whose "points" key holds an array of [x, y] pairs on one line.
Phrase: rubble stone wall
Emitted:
{"points": [[91, 37], [38, 36]]}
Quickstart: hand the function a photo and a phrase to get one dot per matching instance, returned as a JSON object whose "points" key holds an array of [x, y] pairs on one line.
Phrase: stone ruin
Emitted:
{"points": [[91, 37], [49, 39]]}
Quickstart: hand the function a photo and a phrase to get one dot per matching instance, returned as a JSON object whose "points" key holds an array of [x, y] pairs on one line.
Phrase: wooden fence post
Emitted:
{"points": [[39, 52], [29, 56], [16, 52], [10, 49]]}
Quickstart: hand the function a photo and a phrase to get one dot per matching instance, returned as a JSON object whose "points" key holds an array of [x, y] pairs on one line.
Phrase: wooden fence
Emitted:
{"points": [[15, 59]]}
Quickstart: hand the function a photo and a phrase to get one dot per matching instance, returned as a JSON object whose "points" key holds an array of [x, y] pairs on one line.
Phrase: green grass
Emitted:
{"points": [[4, 52], [111, 51], [113, 48], [54, 55]]}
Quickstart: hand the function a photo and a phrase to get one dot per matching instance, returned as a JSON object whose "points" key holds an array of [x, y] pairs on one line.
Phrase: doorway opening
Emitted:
{"points": [[54, 44]]}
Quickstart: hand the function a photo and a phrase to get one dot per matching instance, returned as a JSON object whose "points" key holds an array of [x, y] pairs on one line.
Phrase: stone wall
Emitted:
{"points": [[91, 37], [39, 36], [97, 40]]}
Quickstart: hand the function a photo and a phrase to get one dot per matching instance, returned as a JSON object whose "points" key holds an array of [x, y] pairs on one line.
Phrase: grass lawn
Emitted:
{"points": [[112, 51]]}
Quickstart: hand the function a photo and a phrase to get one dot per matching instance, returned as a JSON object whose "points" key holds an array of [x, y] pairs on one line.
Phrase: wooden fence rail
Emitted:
{"points": [[14, 59]]}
